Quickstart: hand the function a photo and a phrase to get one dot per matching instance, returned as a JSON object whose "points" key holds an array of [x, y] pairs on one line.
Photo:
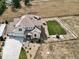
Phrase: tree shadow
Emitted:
{"points": [[43, 34]]}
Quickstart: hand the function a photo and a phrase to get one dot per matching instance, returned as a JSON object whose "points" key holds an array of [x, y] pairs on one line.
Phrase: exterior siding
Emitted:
{"points": [[37, 35], [17, 33]]}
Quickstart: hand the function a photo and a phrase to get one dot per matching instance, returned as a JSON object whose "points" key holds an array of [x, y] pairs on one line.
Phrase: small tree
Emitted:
{"points": [[57, 36], [6, 21], [39, 41], [16, 3], [2, 6], [2, 39]]}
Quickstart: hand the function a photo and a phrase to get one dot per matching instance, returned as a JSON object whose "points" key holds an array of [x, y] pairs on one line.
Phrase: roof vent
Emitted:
{"points": [[38, 18]]}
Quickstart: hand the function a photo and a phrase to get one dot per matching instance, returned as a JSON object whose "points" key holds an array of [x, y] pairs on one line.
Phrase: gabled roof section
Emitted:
{"points": [[36, 30], [36, 20], [28, 21]]}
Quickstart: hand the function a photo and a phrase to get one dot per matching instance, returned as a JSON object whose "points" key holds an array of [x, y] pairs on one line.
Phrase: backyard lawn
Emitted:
{"points": [[55, 28], [22, 54]]}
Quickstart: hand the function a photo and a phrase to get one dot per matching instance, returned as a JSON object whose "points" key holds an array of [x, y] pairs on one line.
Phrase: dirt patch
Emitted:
{"points": [[46, 8], [56, 7], [73, 22], [59, 50]]}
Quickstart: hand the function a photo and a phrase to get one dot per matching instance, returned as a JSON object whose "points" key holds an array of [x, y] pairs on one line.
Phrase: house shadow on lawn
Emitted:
{"points": [[41, 40]]}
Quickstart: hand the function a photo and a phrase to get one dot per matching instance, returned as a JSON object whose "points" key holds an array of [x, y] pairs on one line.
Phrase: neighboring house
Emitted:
{"points": [[2, 29], [28, 26]]}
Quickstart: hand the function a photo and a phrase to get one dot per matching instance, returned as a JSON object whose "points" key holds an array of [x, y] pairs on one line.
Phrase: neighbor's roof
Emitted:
{"points": [[2, 27]]}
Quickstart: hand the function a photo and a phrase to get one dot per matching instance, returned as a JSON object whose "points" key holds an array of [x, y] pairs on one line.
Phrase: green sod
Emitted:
{"points": [[55, 28], [22, 54]]}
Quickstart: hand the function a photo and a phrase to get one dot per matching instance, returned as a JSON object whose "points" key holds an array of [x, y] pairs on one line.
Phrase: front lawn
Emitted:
{"points": [[55, 28], [22, 54]]}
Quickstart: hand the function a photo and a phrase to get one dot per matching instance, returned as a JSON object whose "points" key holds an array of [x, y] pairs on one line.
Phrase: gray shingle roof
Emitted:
{"points": [[25, 21], [11, 25]]}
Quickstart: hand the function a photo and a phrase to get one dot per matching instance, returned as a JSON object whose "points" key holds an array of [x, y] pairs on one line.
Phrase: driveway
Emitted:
{"points": [[12, 48]]}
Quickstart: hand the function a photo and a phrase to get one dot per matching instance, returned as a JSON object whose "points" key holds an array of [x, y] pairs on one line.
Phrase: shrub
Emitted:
{"points": [[16, 3], [6, 21], [2, 6]]}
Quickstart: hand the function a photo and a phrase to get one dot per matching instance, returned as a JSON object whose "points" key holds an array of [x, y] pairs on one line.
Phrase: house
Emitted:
{"points": [[27, 26]]}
